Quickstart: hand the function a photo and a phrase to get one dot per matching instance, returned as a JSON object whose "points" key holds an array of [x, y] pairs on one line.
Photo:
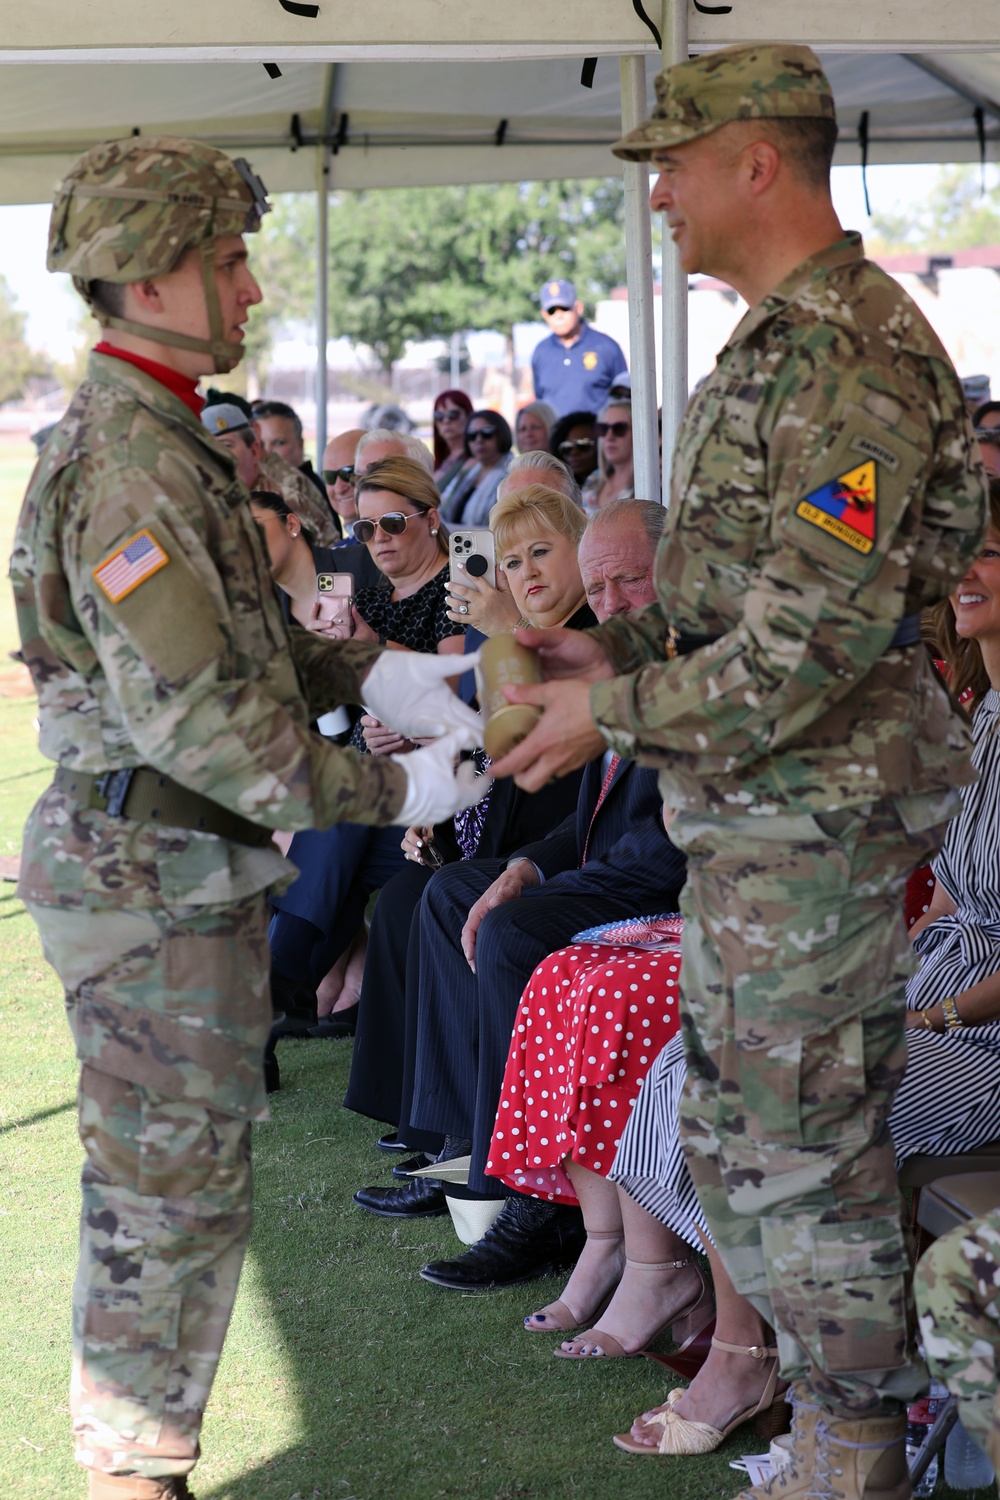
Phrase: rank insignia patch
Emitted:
{"points": [[845, 507], [138, 559]]}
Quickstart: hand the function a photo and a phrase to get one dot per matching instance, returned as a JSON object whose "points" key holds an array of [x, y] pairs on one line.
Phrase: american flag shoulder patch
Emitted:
{"points": [[131, 564]]}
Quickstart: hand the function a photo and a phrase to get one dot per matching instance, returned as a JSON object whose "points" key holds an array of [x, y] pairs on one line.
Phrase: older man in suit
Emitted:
{"points": [[484, 925]]}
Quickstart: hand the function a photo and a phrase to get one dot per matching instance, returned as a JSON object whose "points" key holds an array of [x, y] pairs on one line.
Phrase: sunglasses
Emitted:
{"points": [[393, 523], [558, 309], [616, 429], [576, 445], [988, 435], [448, 416], [330, 476], [480, 432]]}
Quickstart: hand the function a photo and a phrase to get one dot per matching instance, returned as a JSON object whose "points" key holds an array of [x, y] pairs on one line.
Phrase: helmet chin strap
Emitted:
{"points": [[225, 354]]}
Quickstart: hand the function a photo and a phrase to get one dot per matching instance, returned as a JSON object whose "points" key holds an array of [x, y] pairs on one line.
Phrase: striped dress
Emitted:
{"points": [[949, 1099]]}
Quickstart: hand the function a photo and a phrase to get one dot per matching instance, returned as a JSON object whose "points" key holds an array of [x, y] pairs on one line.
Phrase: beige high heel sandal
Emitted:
{"points": [[559, 1316], [683, 1324], [684, 1438]]}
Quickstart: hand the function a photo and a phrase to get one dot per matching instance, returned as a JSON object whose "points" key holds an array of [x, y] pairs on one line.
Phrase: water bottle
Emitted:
{"points": [[919, 1420], [966, 1466]]}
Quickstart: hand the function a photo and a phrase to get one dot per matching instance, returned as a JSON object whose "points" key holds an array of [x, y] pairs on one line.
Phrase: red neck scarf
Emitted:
{"points": [[182, 386]]}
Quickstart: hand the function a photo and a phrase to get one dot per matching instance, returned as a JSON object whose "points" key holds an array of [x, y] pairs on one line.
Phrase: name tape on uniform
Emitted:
{"points": [[845, 507], [131, 564]]}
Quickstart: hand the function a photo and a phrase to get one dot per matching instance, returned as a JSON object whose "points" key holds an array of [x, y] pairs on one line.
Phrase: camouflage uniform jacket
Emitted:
{"points": [[825, 485], [302, 495], [190, 669]]}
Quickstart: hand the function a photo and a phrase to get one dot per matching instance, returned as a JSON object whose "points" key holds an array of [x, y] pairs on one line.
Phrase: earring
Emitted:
{"points": [[434, 531]]}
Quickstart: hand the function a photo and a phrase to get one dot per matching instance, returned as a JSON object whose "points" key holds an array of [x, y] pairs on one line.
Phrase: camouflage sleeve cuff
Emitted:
{"points": [[611, 704], [354, 788], [332, 671], [629, 642]]}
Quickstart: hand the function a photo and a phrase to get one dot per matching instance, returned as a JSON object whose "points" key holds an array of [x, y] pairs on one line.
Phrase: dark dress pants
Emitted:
{"points": [[386, 1035], [465, 1020]]}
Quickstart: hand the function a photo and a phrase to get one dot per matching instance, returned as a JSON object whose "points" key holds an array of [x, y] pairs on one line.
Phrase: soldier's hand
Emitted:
{"points": [[409, 692], [507, 887], [435, 790], [567, 653], [564, 738]]}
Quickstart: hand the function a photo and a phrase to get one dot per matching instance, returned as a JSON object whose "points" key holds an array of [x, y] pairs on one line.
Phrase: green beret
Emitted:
{"points": [[739, 83]]}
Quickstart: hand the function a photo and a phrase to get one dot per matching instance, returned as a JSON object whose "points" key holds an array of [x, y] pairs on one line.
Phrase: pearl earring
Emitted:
{"points": [[434, 531]]}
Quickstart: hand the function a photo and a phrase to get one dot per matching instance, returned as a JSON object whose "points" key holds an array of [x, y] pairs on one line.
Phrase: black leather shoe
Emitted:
{"points": [[390, 1142], [421, 1198], [528, 1238], [402, 1172]]}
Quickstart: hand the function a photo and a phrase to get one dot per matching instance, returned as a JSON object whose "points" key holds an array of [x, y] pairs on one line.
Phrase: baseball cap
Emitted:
{"points": [[557, 294], [224, 416], [754, 82], [622, 383]]}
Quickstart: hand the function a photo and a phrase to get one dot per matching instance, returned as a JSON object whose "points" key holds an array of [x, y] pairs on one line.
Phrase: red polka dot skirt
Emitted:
{"points": [[592, 1020]]}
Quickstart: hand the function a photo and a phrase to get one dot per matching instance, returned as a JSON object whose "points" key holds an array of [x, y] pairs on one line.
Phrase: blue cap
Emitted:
{"points": [[557, 294]]}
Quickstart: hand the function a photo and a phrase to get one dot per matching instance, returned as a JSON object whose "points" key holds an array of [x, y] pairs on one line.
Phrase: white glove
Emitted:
{"points": [[434, 791], [407, 691]]}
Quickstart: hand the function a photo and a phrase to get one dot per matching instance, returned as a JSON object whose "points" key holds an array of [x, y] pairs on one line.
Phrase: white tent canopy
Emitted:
{"points": [[355, 93]]}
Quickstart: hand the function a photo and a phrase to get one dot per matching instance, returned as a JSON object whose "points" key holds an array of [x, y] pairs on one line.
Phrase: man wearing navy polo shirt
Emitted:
{"points": [[574, 367]]}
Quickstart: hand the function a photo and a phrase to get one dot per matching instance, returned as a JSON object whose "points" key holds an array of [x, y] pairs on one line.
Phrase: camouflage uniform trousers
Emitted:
{"points": [[167, 1190], [957, 1287], [795, 962]]}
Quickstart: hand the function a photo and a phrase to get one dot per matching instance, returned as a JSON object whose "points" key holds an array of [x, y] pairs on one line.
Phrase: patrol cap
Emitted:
{"points": [[754, 82], [224, 416], [976, 388], [557, 294]]}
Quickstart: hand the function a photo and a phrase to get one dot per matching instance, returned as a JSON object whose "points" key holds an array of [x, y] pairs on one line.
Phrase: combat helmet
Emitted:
{"points": [[127, 210]]}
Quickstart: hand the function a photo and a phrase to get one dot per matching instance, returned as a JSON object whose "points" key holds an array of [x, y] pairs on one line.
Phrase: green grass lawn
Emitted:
{"points": [[345, 1377]]}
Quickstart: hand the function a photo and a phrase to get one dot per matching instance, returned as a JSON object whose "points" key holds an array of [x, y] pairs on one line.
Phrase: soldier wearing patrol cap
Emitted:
{"points": [[826, 489], [170, 696]]}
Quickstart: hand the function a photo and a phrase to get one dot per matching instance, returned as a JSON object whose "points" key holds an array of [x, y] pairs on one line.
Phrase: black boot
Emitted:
{"points": [[528, 1238], [421, 1198]]}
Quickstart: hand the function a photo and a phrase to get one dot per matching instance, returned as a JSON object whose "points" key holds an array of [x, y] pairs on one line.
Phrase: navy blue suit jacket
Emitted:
{"points": [[628, 850]]}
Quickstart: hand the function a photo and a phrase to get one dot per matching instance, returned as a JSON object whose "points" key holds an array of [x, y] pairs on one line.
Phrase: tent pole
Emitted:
{"points": [[322, 274], [674, 298], [639, 264]]}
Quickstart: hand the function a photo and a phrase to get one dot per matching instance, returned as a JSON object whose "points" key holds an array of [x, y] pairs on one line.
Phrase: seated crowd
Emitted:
{"points": [[511, 977]]}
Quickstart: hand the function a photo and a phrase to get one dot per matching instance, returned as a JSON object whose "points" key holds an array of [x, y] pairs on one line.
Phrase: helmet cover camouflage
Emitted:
{"points": [[128, 209], [753, 82]]}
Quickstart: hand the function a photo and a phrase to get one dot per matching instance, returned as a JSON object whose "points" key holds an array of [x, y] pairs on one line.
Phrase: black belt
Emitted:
{"points": [[145, 796], [680, 643]]}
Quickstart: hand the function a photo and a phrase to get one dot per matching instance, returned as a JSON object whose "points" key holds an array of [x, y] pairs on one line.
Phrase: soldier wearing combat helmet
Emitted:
{"points": [[176, 704], [825, 490]]}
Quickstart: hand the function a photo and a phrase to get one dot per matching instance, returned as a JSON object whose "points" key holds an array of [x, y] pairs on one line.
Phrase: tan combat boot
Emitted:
{"points": [[839, 1458], [134, 1487]]}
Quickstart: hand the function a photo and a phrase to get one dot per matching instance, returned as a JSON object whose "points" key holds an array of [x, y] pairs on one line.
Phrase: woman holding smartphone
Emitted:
{"points": [[317, 931]]}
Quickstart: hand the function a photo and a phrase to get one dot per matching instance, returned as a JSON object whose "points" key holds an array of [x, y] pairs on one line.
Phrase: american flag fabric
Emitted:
{"points": [[661, 931], [138, 559]]}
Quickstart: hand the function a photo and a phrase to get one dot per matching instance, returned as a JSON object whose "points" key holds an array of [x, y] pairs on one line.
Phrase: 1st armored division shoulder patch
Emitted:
{"points": [[845, 507], [129, 565]]}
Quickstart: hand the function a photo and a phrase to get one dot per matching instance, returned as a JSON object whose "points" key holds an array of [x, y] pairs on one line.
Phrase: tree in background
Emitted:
{"points": [[956, 215], [19, 363], [408, 264]]}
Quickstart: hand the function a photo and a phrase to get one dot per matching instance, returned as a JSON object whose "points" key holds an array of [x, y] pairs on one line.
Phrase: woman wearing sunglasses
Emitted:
{"points": [[613, 478], [452, 411], [318, 928], [488, 441], [574, 442]]}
